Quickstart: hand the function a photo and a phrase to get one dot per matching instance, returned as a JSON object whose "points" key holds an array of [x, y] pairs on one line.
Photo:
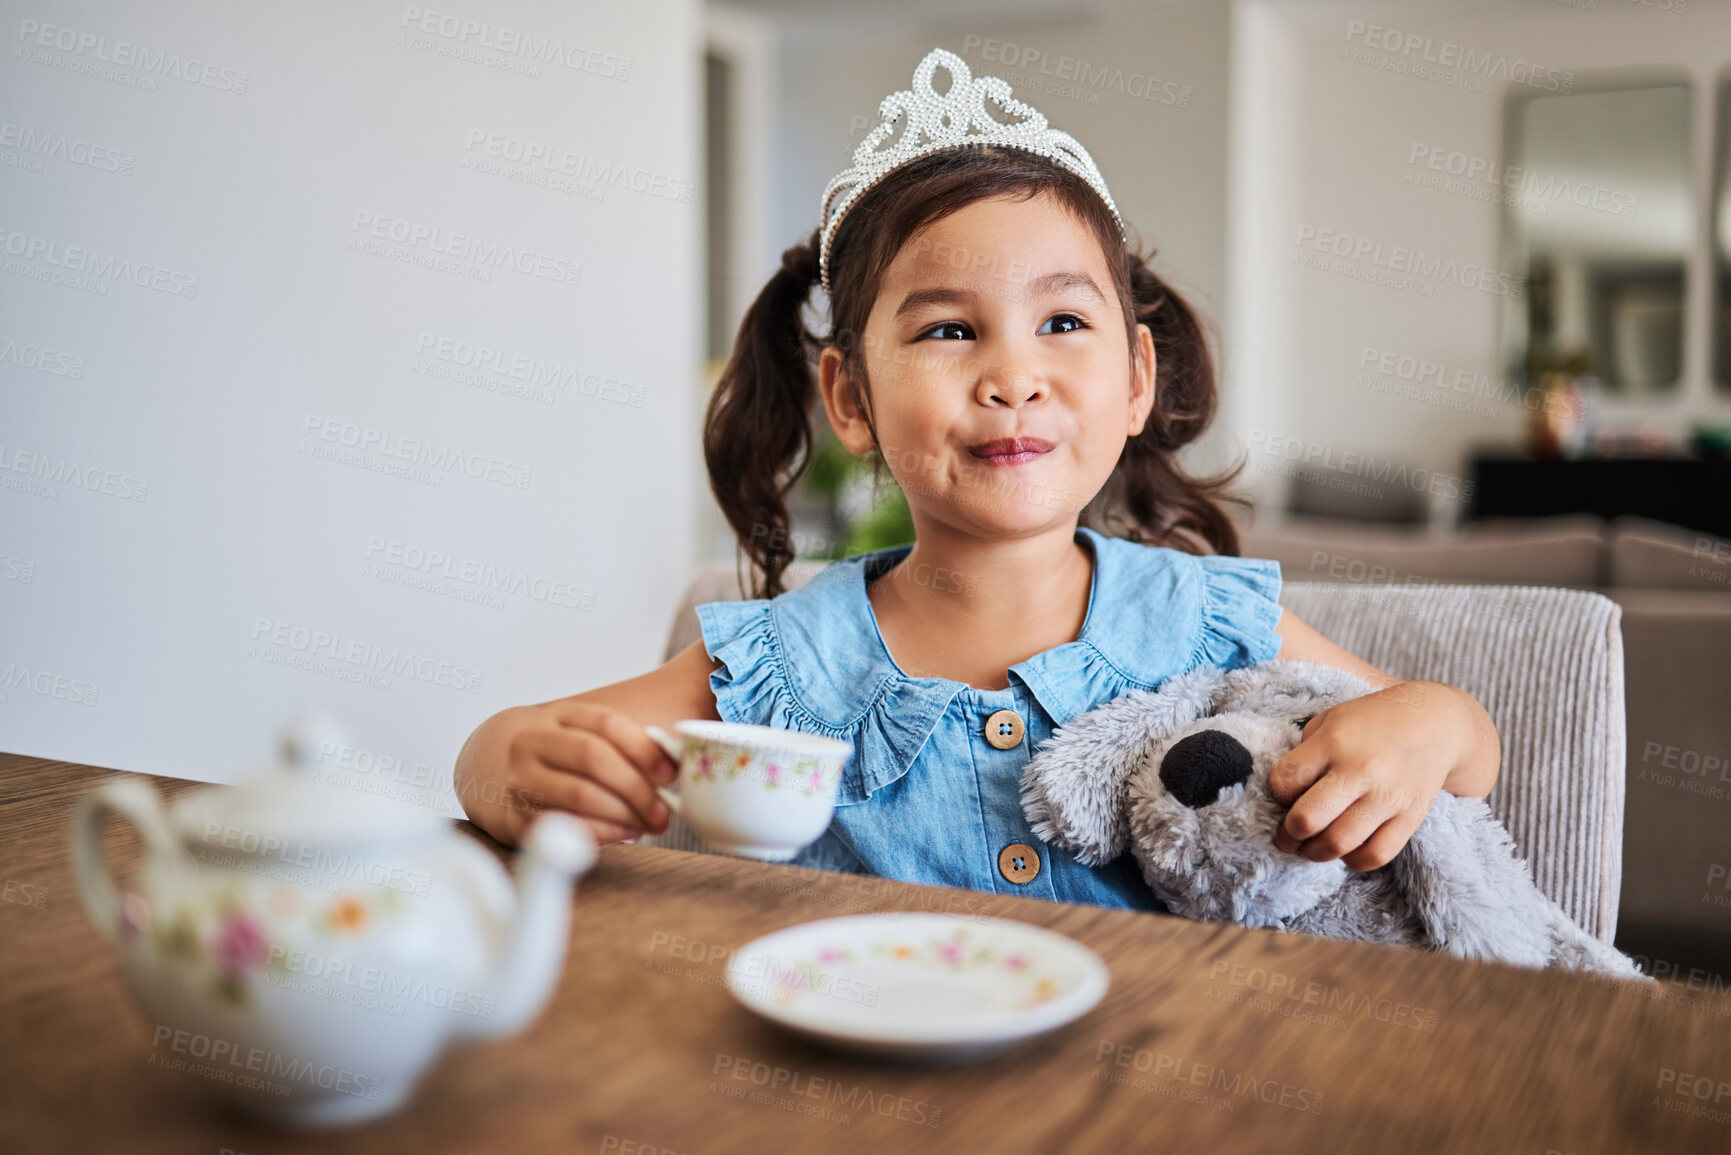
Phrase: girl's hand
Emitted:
{"points": [[589, 759], [1366, 771]]}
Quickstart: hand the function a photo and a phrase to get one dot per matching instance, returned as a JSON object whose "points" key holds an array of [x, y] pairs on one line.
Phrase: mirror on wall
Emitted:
{"points": [[1597, 208], [1722, 243]]}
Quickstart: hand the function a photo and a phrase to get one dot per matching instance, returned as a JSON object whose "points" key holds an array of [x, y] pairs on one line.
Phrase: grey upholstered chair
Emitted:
{"points": [[1546, 663]]}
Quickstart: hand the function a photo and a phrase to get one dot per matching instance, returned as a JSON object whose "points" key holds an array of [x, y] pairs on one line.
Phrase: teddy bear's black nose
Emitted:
{"points": [[1197, 768]]}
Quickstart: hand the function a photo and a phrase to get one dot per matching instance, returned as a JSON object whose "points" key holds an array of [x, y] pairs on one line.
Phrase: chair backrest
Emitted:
{"points": [[1547, 664]]}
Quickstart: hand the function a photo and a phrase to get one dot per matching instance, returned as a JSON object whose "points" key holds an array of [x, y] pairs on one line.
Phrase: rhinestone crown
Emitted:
{"points": [[955, 119]]}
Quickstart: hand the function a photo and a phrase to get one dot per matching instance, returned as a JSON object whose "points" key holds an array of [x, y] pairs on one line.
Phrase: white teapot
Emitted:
{"points": [[311, 948]]}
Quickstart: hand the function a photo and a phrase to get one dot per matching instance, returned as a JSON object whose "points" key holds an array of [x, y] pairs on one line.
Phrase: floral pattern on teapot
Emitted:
{"points": [[223, 931]]}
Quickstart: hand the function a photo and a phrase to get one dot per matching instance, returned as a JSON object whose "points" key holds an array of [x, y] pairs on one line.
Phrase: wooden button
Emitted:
{"points": [[1004, 729], [1019, 863]]}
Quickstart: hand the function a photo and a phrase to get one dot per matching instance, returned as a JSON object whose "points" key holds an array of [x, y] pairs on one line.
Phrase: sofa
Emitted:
{"points": [[1674, 588]]}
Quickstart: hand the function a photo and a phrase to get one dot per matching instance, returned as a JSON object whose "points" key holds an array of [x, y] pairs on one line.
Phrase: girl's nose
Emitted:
{"points": [[1000, 385]]}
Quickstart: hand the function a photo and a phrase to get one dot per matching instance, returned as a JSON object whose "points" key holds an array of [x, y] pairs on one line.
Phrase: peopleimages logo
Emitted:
{"points": [[515, 42], [366, 440], [1367, 259], [322, 860], [237, 1058], [432, 240], [56, 363], [124, 54], [477, 363], [84, 260], [1480, 66], [1085, 74], [17, 569], [358, 658], [580, 166], [1537, 190], [1276, 447], [392, 560], [1416, 371], [48, 684], [42, 144], [44, 473]]}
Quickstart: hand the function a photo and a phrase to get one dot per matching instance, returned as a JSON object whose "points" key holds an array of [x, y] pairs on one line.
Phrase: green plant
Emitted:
{"points": [[832, 471], [887, 523], [832, 467]]}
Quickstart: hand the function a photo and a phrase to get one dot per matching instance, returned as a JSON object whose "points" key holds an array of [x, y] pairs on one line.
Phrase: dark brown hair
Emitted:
{"points": [[758, 431]]}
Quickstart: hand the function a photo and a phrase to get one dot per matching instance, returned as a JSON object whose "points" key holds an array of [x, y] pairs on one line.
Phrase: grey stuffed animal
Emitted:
{"points": [[1180, 775]]}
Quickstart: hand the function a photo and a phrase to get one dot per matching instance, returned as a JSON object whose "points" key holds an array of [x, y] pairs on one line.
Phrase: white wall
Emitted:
{"points": [[1347, 131], [174, 532]]}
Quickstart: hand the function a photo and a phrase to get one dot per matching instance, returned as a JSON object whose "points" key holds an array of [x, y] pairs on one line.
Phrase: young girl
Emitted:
{"points": [[1027, 380]]}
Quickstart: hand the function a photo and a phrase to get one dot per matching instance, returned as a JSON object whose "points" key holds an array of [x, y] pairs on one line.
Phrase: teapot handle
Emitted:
{"points": [[130, 799]]}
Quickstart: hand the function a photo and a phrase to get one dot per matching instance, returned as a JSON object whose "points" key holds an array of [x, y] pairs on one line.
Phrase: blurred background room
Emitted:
{"points": [[1470, 267], [363, 368]]}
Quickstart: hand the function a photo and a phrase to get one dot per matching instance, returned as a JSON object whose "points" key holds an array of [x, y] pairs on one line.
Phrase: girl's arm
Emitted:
{"points": [[1366, 772], [587, 754]]}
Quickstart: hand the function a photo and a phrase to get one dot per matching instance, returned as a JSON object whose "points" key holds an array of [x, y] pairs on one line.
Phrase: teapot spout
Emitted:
{"points": [[532, 957]]}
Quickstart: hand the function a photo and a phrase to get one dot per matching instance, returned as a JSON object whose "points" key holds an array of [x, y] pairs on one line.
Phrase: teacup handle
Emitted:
{"points": [[130, 799], [675, 751]]}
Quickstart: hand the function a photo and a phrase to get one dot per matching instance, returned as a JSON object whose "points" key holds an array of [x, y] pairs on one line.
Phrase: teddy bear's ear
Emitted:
{"points": [[1467, 889], [1073, 787]]}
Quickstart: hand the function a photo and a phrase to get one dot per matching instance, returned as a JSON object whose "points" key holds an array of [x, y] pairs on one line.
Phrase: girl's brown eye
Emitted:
{"points": [[960, 330], [1068, 319]]}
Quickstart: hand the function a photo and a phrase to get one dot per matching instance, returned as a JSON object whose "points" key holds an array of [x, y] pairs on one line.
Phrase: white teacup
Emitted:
{"points": [[755, 791]]}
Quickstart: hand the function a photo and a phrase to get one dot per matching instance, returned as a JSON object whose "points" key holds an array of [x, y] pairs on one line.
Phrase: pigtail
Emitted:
{"points": [[757, 435], [1149, 497]]}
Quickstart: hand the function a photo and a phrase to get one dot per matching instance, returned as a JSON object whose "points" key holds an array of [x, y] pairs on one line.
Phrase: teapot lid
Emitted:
{"points": [[283, 806]]}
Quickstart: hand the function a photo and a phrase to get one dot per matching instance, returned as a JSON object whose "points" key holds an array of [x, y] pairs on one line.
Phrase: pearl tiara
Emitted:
{"points": [[955, 119]]}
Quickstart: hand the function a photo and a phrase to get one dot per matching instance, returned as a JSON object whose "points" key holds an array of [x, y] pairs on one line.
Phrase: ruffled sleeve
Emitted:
{"points": [[1240, 608], [750, 685]]}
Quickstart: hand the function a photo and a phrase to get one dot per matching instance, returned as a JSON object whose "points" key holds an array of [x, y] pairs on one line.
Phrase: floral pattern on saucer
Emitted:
{"points": [[918, 985], [954, 953]]}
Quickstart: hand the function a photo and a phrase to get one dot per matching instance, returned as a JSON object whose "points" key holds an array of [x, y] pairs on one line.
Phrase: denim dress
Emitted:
{"points": [[926, 795]]}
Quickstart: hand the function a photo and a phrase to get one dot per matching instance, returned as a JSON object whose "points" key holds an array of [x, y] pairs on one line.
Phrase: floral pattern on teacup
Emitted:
{"points": [[776, 770]]}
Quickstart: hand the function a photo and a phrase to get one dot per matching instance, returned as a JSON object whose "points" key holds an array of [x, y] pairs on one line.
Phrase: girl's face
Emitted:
{"points": [[1001, 378]]}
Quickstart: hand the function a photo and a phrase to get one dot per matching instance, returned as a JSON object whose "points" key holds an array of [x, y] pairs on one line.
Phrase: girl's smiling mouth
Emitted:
{"points": [[1010, 450]]}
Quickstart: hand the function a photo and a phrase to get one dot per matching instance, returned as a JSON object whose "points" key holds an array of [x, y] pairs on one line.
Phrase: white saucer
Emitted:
{"points": [[930, 987]]}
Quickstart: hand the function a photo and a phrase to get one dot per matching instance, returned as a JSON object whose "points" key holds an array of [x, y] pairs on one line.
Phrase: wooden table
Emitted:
{"points": [[642, 1051]]}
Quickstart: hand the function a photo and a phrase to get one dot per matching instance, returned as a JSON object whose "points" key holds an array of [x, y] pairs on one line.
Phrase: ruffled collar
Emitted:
{"points": [[890, 714]]}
